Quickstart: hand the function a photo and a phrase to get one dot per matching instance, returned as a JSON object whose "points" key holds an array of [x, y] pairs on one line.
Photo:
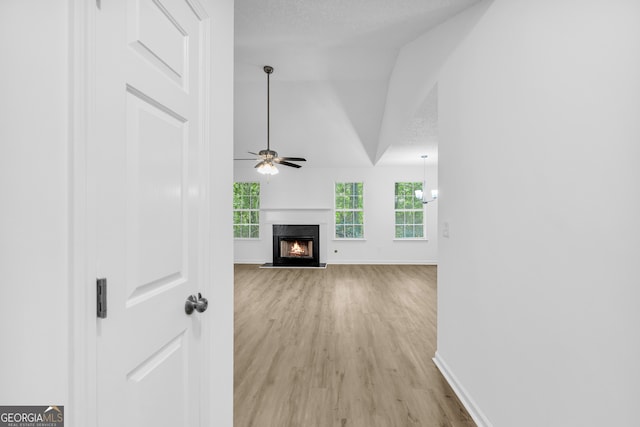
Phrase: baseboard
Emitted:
{"points": [[470, 405], [249, 262], [380, 262], [354, 262]]}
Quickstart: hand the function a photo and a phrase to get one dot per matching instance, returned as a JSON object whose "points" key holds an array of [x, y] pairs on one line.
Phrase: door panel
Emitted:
{"points": [[157, 34], [157, 150], [147, 179], [168, 365]]}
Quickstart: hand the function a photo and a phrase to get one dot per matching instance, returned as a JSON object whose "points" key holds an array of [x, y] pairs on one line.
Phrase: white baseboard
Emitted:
{"points": [[470, 405], [353, 262], [249, 261], [380, 262]]}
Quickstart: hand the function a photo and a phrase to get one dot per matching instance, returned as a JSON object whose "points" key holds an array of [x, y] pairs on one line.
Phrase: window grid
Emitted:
{"points": [[349, 210], [409, 211], [246, 210]]}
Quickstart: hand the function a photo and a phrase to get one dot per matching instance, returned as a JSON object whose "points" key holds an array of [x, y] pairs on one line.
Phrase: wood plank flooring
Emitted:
{"points": [[348, 346]]}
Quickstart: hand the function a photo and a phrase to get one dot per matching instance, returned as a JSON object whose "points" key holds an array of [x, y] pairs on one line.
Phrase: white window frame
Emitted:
{"points": [[408, 212], [351, 211], [249, 212]]}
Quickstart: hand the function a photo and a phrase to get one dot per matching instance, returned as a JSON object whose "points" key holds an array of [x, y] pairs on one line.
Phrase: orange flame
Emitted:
{"points": [[296, 249]]}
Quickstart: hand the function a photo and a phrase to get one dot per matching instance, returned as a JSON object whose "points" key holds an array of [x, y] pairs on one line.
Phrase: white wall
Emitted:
{"points": [[538, 283], [34, 229], [306, 196]]}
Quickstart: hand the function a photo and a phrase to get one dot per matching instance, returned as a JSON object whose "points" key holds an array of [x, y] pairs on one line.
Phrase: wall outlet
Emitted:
{"points": [[445, 229]]}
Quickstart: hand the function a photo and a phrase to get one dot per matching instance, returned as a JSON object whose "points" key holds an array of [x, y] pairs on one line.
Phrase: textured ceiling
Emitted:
{"points": [[328, 23], [332, 60]]}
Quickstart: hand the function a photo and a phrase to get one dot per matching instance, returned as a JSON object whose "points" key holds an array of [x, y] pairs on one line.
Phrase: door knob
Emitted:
{"points": [[196, 303]]}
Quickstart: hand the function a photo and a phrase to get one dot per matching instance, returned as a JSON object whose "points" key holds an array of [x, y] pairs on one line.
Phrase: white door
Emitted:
{"points": [[148, 173]]}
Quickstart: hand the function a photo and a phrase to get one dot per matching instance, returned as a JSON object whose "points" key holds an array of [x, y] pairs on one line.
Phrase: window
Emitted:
{"points": [[246, 210], [409, 211], [349, 210]]}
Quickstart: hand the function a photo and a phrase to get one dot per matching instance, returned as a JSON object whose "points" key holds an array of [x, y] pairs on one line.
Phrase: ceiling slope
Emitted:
{"points": [[412, 88], [333, 62]]}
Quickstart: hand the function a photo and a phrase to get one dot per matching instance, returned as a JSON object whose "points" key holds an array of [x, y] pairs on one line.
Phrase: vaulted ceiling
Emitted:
{"points": [[340, 92]]}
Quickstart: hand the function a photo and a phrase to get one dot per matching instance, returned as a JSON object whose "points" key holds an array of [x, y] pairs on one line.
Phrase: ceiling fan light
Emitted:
{"points": [[267, 168]]}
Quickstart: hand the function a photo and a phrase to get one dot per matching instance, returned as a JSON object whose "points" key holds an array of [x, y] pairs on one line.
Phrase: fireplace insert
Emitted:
{"points": [[296, 245]]}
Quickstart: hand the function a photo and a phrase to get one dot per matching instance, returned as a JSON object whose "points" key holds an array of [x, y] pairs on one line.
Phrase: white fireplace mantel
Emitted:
{"points": [[296, 215], [295, 209]]}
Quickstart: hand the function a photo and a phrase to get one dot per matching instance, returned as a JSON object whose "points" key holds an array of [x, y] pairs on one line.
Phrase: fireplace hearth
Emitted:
{"points": [[296, 245]]}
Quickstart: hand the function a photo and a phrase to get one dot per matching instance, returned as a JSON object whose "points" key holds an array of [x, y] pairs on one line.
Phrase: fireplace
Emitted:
{"points": [[296, 245]]}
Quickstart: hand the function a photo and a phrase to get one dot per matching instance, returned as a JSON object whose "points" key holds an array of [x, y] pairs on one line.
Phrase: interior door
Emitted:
{"points": [[148, 176]]}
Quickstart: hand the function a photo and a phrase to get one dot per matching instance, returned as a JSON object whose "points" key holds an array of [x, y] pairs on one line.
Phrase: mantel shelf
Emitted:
{"points": [[296, 209]]}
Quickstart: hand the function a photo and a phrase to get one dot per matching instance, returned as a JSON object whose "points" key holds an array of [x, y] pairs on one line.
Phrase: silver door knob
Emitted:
{"points": [[196, 303]]}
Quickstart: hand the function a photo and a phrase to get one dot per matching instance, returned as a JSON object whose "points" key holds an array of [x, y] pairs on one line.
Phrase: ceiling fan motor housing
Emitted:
{"points": [[268, 153]]}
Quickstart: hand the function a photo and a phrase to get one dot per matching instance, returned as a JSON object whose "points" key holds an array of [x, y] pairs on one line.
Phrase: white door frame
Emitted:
{"points": [[82, 384], [81, 408]]}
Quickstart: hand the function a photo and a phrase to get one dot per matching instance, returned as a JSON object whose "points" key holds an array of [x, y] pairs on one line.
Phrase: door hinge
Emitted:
{"points": [[101, 294]]}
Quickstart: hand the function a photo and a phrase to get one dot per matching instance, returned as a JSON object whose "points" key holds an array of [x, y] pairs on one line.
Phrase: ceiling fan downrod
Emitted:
{"points": [[268, 69]]}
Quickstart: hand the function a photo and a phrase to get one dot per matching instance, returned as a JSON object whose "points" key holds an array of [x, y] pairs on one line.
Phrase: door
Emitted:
{"points": [[149, 174]]}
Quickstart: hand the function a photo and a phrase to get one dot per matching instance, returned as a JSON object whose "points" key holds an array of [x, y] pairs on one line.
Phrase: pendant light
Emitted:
{"points": [[420, 193]]}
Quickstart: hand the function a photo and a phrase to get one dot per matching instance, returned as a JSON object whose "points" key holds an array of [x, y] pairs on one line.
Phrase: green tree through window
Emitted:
{"points": [[349, 210], [409, 211], [246, 210]]}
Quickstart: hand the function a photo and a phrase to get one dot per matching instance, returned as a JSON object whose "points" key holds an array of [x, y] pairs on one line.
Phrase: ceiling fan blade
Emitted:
{"points": [[248, 159], [285, 163], [255, 154], [259, 164], [294, 159]]}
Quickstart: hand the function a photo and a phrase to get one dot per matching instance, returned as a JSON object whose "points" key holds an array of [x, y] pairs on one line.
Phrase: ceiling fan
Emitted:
{"points": [[267, 158]]}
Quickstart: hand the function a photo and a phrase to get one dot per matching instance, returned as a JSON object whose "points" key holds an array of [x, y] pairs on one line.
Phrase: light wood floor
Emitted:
{"points": [[347, 346]]}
